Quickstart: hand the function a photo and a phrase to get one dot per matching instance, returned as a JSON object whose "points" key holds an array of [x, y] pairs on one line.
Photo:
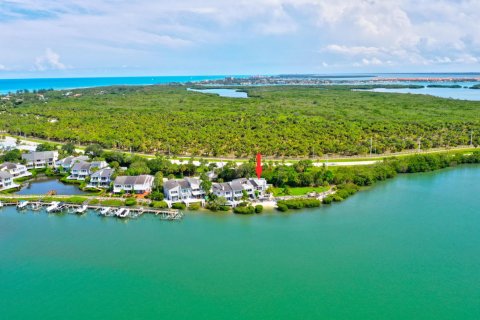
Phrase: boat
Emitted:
{"points": [[36, 207], [119, 212], [1, 204], [124, 214], [53, 206], [81, 210], [22, 205], [104, 211]]}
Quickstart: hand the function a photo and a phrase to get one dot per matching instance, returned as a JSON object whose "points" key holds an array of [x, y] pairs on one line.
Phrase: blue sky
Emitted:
{"points": [[45, 38]]}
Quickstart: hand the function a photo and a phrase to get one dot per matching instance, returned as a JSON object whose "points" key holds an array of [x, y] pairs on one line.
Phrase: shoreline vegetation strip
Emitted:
{"points": [[347, 181]]}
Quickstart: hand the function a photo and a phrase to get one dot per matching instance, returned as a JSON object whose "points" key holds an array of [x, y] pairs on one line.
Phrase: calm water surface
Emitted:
{"points": [[453, 93], [43, 185], [406, 249], [229, 93]]}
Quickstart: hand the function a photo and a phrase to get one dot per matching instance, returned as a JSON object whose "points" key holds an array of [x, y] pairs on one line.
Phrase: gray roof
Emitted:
{"points": [[82, 165], [123, 180], [71, 159], [103, 173], [184, 184], [8, 166], [224, 186], [170, 184], [236, 186], [44, 155], [5, 175]]}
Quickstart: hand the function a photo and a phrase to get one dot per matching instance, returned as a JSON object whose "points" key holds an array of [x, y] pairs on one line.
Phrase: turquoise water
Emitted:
{"points": [[229, 93], [12, 85], [43, 185], [408, 248]]}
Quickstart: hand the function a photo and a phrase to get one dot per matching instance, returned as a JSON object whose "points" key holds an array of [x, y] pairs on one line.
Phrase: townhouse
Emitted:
{"points": [[6, 181], [189, 189], [133, 184], [43, 159], [83, 169], [235, 189], [67, 163], [101, 178], [185, 190], [15, 169]]}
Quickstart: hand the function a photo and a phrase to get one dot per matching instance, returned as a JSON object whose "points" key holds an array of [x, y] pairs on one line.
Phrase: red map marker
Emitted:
{"points": [[259, 165]]}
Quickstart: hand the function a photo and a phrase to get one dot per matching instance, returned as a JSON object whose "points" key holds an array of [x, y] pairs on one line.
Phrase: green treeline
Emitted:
{"points": [[276, 121], [350, 179]]}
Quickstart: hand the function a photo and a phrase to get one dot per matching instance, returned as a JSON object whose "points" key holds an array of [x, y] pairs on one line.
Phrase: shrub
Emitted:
{"points": [[282, 207], [328, 199], [179, 206], [244, 209], [258, 208], [130, 202], [157, 196], [159, 204], [194, 206], [300, 203]]}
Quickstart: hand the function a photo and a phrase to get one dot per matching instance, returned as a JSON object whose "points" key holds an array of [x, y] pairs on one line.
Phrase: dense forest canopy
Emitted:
{"points": [[276, 121]]}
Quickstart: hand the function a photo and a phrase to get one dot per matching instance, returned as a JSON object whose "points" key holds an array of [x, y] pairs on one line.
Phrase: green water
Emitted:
{"points": [[406, 249]]}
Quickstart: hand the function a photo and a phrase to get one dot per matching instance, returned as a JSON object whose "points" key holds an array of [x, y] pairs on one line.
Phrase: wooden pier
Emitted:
{"points": [[119, 212]]}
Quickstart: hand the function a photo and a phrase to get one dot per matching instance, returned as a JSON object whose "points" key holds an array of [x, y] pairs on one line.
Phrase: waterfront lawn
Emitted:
{"points": [[297, 191], [112, 203]]}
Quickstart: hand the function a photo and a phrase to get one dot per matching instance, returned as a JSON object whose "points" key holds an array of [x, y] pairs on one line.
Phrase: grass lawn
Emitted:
{"points": [[300, 191], [112, 202]]}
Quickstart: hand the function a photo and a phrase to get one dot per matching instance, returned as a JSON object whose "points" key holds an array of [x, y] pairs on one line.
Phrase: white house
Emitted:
{"points": [[101, 178], [235, 189], [133, 184], [184, 190], [6, 181], [83, 169], [68, 162], [15, 169], [41, 159]]}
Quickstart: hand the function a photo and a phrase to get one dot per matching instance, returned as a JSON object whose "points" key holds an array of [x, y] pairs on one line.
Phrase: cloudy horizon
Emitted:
{"points": [[42, 38]]}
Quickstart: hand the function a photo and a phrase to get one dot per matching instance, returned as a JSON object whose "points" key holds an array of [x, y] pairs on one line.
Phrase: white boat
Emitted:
{"points": [[125, 213], [22, 205], [81, 210], [53, 206], [119, 212], [1, 204], [104, 211], [36, 207]]}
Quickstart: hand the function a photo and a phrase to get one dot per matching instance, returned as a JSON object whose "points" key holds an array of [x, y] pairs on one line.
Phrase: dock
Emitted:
{"points": [[57, 207]]}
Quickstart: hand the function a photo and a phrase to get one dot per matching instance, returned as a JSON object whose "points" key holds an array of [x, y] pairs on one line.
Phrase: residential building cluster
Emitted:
{"points": [[189, 190], [99, 175]]}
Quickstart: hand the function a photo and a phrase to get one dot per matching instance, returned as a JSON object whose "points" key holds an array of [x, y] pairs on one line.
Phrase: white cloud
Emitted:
{"points": [[50, 60], [161, 33]]}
